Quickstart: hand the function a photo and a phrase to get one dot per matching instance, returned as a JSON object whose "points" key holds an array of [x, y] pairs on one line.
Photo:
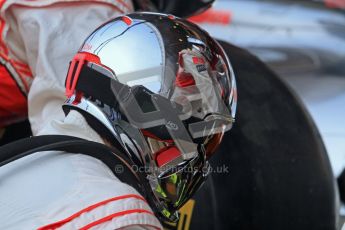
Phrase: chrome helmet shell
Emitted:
{"points": [[162, 89]]}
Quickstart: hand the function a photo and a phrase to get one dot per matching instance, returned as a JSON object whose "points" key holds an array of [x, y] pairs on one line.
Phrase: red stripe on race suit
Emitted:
{"points": [[122, 6], [21, 67], [13, 103], [212, 16], [3, 48], [115, 215], [88, 209], [13, 90]]}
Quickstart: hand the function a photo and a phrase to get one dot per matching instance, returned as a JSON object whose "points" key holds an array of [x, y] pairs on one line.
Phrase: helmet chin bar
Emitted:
{"points": [[163, 113], [160, 179]]}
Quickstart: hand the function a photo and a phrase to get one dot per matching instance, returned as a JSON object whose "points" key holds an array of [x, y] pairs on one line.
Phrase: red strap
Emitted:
{"points": [[72, 76], [112, 216], [94, 206]]}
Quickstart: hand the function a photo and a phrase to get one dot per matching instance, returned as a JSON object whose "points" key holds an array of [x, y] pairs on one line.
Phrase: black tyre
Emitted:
{"points": [[279, 173]]}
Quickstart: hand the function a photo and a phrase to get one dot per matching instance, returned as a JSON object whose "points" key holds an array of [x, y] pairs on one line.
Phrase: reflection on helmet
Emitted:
{"points": [[163, 90]]}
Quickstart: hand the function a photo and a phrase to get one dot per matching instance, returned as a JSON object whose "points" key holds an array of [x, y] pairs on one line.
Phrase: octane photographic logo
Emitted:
{"points": [[220, 169]]}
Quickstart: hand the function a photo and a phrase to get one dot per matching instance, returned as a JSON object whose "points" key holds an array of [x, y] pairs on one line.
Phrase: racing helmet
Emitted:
{"points": [[181, 8], [161, 89]]}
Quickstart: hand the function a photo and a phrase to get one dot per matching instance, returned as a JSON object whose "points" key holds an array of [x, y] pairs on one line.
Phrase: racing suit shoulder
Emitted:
{"points": [[122, 6], [69, 191]]}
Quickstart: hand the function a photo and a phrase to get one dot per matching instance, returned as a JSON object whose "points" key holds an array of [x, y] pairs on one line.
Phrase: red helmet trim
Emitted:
{"points": [[74, 71]]}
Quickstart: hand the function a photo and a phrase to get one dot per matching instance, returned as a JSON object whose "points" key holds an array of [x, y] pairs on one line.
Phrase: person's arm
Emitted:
{"points": [[48, 38]]}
